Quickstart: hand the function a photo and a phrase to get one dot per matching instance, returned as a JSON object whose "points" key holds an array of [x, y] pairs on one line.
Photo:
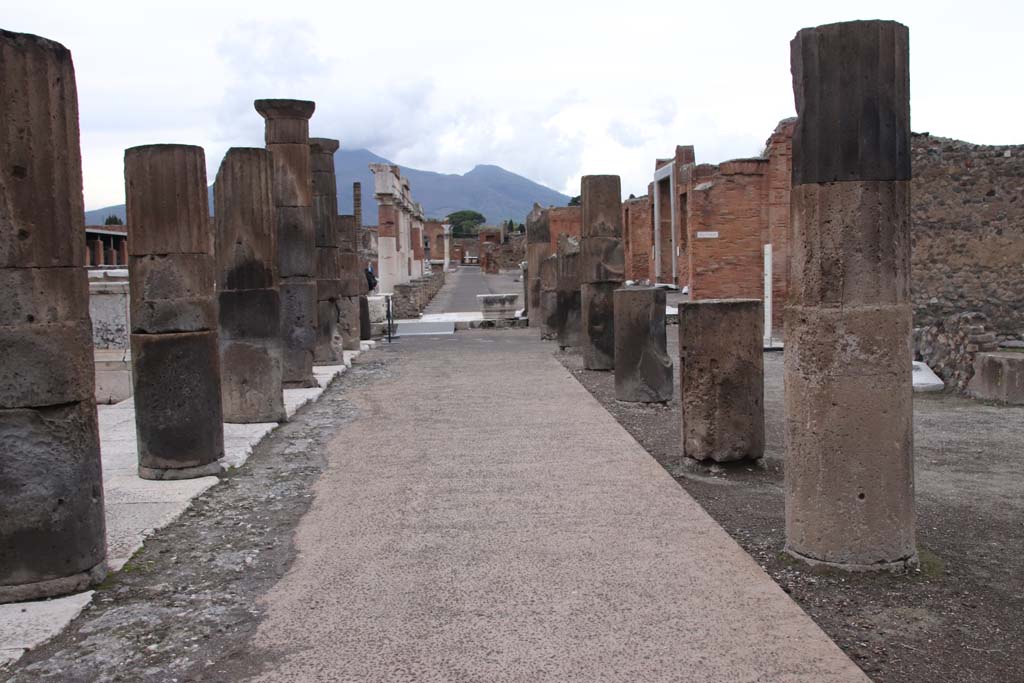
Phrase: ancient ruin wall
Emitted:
{"points": [[638, 234], [967, 214]]}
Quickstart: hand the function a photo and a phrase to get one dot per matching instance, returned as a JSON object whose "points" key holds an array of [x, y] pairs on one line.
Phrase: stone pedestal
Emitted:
{"points": [[849, 452], [643, 369], [287, 138], [52, 528], [568, 306], [175, 351], [600, 267], [249, 300], [721, 379]]}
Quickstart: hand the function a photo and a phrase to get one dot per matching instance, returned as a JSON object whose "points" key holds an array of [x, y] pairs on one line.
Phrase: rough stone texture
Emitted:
{"points": [[325, 227], [499, 306], [949, 347], [638, 239], [547, 300], [721, 379], [108, 308], [597, 325], [568, 317], [601, 260], [175, 356], [410, 299], [248, 297], [849, 441], [860, 128], [287, 138], [538, 248], [365, 329], [601, 198], [999, 377], [349, 330], [52, 535], [178, 414], [643, 369], [967, 220]]}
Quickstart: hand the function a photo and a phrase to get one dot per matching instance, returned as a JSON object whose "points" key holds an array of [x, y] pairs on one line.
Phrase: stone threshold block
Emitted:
{"points": [[998, 376], [721, 379], [643, 369], [498, 306]]}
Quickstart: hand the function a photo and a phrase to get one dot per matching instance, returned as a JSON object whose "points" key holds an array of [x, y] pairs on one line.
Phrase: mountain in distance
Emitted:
{"points": [[498, 194]]}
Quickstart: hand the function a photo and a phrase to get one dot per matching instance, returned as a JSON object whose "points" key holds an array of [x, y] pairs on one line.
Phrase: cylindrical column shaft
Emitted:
{"points": [[568, 316], [601, 267], [643, 369], [352, 283], [849, 452], [546, 312], [325, 224], [174, 340], [287, 138], [52, 525], [249, 300], [721, 379], [538, 248]]}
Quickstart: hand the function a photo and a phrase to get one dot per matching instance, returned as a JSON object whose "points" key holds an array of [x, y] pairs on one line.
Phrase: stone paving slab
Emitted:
{"points": [[497, 524], [135, 507]]}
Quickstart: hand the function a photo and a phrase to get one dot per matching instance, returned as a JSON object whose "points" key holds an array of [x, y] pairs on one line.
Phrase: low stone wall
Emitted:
{"points": [[108, 308], [411, 298], [949, 347]]}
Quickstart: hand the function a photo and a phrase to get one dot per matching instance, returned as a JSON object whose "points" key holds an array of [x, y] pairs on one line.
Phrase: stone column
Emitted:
{"points": [[546, 312], [602, 267], [849, 451], [171, 276], [643, 370], [538, 248], [567, 316], [357, 204], [352, 285], [52, 529], [447, 245], [247, 293], [328, 281], [287, 138], [721, 379]]}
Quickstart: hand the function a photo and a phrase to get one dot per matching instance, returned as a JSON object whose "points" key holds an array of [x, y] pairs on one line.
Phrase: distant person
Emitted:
{"points": [[371, 279]]}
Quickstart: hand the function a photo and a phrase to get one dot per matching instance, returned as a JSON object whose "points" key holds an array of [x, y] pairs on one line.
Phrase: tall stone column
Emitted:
{"points": [[173, 312], [602, 267], [328, 281], [643, 370], [447, 245], [849, 451], [567, 316], [287, 138], [545, 314], [352, 285], [52, 528], [721, 379], [538, 248], [247, 294]]}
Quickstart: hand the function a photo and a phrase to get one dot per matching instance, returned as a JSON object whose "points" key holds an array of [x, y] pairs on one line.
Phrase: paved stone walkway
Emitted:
{"points": [[485, 519], [462, 286]]}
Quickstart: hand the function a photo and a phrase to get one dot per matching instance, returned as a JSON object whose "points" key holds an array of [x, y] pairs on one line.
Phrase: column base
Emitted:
{"points": [[65, 585], [903, 564], [172, 474]]}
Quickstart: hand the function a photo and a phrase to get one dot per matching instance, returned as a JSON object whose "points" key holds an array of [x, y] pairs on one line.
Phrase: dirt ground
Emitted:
{"points": [[960, 616]]}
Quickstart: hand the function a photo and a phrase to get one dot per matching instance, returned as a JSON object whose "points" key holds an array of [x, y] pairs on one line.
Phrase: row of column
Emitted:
{"points": [[223, 313], [849, 450]]}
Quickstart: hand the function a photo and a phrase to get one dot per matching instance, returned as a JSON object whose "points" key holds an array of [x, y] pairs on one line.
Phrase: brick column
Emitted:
{"points": [[287, 138], [849, 404], [328, 282], [52, 529], [357, 204], [171, 276], [249, 300], [643, 370], [602, 267]]}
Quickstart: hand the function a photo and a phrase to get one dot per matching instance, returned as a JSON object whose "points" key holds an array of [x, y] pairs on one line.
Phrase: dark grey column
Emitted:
{"points": [[643, 369], [52, 528], [849, 402], [328, 283], [545, 313], [568, 315], [247, 293], [601, 267], [171, 277], [352, 284], [287, 138], [538, 248]]}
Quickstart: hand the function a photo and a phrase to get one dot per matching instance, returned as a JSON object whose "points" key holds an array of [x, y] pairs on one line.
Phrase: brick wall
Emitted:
{"points": [[967, 213], [564, 220], [638, 238], [434, 231]]}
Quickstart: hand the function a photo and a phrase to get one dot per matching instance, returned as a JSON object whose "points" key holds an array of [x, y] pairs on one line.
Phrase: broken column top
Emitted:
{"points": [[166, 200], [285, 109], [538, 226], [324, 145], [851, 82], [601, 197]]}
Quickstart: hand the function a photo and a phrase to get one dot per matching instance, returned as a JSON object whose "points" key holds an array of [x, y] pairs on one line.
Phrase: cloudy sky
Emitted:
{"points": [[552, 90]]}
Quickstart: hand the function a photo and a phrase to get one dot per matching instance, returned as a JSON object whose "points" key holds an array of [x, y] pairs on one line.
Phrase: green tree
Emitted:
{"points": [[113, 220], [465, 223], [575, 201]]}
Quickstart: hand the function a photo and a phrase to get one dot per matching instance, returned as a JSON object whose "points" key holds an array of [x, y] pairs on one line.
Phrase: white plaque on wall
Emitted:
{"points": [[707, 235]]}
